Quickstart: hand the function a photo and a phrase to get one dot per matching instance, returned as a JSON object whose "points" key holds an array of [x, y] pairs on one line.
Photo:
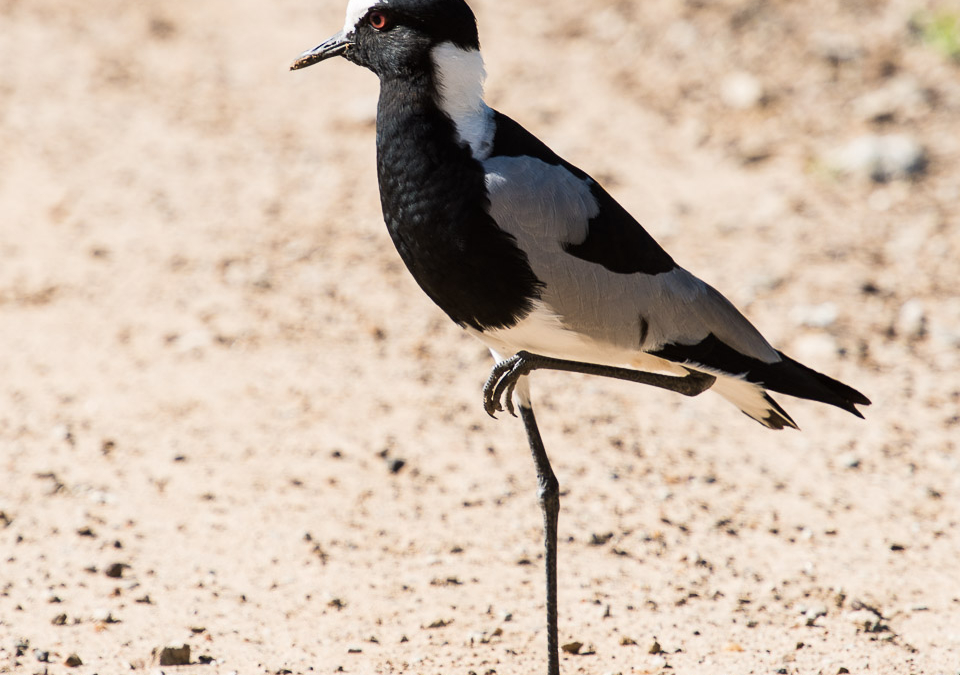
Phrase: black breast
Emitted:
{"points": [[435, 206]]}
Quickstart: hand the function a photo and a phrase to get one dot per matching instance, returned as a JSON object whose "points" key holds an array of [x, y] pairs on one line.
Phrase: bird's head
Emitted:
{"points": [[397, 37]]}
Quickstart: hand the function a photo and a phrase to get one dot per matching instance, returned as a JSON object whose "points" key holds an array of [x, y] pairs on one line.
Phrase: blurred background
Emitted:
{"points": [[229, 418]]}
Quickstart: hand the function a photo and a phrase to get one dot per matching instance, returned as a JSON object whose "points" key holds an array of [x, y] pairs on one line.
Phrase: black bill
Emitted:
{"points": [[335, 46]]}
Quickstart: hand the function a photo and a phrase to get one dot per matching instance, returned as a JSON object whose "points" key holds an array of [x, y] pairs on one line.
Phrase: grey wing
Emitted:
{"points": [[604, 277]]}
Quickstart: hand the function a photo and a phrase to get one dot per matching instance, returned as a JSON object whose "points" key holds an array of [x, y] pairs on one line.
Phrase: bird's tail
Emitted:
{"points": [[748, 392], [795, 379], [754, 402]]}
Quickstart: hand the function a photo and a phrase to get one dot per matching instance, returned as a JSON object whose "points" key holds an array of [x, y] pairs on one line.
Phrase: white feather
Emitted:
{"points": [[460, 75]]}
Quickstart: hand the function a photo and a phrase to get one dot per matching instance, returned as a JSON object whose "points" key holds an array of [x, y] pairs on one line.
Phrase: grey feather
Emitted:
{"points": [[545, 206]]}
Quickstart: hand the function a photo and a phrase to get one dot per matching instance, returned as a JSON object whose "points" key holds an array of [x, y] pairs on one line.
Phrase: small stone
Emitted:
{"points": [[572, 647], [600, 539], [752, 148], [813, 613], [42, 655], [837, 48], [902, 98], [881, 158], [912, 319], [104, 616], [657, 662], [59, 620], [849, 460], [175, 656], [62, 432], [741, 91], [115, 571], [655, 648], [823, 315], [863, 619], [73, 661]]}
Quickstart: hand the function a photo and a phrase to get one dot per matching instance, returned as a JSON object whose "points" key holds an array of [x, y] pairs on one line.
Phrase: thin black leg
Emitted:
{"points": [[548, 493], [503, 378]]}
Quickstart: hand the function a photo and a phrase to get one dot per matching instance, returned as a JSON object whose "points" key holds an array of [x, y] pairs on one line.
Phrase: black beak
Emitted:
{"points": [[335, 46]]}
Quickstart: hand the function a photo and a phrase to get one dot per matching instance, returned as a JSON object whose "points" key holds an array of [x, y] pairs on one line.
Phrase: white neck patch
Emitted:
{"points": [[460, 75], [356, 10]]}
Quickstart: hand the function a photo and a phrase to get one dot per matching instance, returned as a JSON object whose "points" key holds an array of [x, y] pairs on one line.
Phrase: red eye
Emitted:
{"points": [[378, 20]]}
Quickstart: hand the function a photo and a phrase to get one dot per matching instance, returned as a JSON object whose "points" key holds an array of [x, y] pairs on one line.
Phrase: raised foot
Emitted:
{"points": [[498, 389], [503, 380]]}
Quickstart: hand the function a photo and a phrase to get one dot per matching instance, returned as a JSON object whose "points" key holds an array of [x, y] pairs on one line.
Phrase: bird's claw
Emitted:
{"points": [[499, 387]]}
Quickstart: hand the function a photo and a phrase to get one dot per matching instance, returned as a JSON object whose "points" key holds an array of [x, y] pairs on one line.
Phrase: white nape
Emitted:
{"points": [[460, 75]]}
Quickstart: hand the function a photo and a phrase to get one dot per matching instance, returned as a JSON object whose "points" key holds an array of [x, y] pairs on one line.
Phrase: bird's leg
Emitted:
{"points": [[548, 493], [503, 378]]}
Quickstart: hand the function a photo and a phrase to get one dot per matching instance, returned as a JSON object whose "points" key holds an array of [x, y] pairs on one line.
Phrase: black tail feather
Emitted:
{"points": [[785, 376], [795, 379]]}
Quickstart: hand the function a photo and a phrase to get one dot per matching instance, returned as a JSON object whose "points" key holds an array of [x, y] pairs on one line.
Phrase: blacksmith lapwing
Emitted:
{"points": [[532, 256]]}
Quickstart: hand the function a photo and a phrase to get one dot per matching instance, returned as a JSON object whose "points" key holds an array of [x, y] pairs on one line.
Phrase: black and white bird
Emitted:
{"points": [[532, 256]]}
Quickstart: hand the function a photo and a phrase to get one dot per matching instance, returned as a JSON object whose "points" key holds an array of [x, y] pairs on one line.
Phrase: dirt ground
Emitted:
{"points": [[229, 418]]}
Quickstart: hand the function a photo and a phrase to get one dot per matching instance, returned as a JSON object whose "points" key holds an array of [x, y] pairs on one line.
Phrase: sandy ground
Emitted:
{"points": [[228, 417]]}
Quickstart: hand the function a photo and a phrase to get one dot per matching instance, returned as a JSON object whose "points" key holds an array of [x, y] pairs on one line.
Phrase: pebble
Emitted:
{"points": [[175, 655], [880, 157], [849, 460], [837, 48], [912, 319], [73, 661], [863, 619], [753, 148], [902, 98], [813, 613], [656, 662], [741, 91], [104, 616], [823, 315], [115, 571], [62, 432]]}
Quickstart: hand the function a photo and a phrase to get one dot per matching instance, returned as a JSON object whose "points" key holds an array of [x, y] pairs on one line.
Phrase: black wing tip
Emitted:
{"points": [[826, 389]]}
